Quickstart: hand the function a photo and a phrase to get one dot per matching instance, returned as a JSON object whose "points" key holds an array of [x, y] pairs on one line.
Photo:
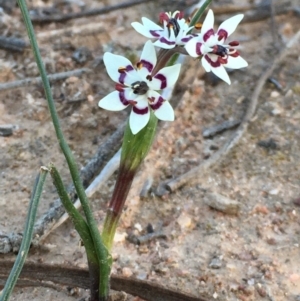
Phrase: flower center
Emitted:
{"points": [[173, 25], [139, 88], [219, 50]]}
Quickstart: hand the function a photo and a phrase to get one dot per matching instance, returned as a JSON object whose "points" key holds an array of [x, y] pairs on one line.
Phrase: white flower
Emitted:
{"points": [[210, 46], [139, 87], [173, 33]]}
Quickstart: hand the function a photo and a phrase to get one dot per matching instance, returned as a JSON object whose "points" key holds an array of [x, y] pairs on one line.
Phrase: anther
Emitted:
{"points": [[234, 43], [139, 65], [149, 77], [198, 26], [122, 69]]}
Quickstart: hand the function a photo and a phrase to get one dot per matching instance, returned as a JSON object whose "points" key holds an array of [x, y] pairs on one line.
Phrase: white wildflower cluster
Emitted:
{"points": [[143, 86]]}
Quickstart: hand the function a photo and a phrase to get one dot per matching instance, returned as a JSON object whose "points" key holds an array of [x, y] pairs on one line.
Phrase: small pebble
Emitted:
{"points": [[216, 263], [274, 191], [184, 221], [126, 272], [275, 94], [295, 278], [138, 227], [142, 275], [119, 237]]}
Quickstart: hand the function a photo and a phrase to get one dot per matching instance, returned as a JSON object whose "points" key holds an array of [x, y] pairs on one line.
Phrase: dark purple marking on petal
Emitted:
{"points": [[211, 62], [163, 80], [158, 104], [198, 49], [123, 99], [223, 34], [186, 39], [123, 74], [208, 34], [165, 41], [149, 66], [154, 33], [140, 111]]}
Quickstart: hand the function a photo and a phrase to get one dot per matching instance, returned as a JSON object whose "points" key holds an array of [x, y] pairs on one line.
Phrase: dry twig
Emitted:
{"points": [[38, 80], [235, 138], [36, 274], [42, 19], [12, 44]]}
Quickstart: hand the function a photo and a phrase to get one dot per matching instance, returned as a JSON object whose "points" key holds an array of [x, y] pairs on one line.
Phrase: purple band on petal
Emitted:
{"points": [[123, 74], [223, 34], [208, 34], [147, 65], [140, 111], [158, 104], [163, 80], [165, 41], [198, 49], [154, 33], [123, 99], [212, 63], [186, 39]]}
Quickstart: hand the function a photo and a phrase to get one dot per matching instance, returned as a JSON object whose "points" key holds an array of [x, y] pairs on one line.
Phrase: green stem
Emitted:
{"points": [[134, 151], [102, 253], [27, 236], [84, 232], [199, 12]]}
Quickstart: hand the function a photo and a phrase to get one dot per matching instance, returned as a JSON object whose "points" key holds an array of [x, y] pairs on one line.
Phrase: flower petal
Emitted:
{"points": [[166, 77], [139, 117], [165, 112], [208, 26], [193, 47], [206, 65], [235, 62], [165, 43], [229, 25], [112, 102], [150, 24], [148, 60], [221, 73], [141, 29], [113, 62]]}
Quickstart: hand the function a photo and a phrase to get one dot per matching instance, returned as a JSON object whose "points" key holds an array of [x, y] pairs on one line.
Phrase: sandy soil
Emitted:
{"points": [[251, 255]]}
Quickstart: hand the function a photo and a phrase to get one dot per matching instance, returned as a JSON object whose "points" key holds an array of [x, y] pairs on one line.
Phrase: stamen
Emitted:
{"points": [[149, 77], [222, 60], [139, 65], [234, 43], [120, 87], [122, 69], [179, 15], [234, 54], [163, 17], [198, 26], [132, 102]]}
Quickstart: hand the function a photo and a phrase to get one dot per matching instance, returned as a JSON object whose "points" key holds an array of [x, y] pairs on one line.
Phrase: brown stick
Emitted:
{"points": [[13, 44], [38, 80], [35, 274], [86, 13], [235, 138]]}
